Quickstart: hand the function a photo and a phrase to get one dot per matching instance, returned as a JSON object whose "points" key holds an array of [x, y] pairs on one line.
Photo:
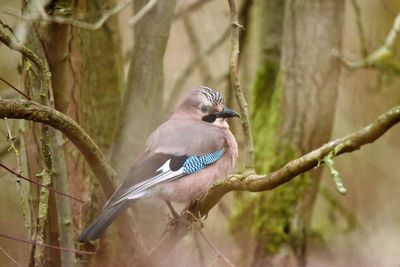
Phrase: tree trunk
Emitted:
{"points": [[268, 17], [99, 81], [87, 86], [143, 100], [142, 106], [310, 77], [299, 110]]}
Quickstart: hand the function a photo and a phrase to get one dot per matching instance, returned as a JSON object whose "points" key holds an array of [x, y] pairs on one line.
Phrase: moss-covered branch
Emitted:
{"points": [[252, 182], [380, 58], [256, 183]]}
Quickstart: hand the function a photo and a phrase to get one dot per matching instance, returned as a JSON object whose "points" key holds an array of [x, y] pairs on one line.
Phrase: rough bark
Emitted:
{"points": [[302, 120], [97, 85]]}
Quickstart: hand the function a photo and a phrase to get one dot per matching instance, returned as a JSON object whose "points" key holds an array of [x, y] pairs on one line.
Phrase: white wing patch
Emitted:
{"points": [[141, 189]]}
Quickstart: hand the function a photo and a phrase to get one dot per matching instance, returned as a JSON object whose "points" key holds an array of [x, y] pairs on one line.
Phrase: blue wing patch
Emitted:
{"points": [[173, 168], [196, 163]]}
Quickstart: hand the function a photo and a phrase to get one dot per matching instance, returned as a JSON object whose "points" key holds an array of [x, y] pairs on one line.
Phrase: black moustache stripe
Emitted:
{"points": [[209, 118]]}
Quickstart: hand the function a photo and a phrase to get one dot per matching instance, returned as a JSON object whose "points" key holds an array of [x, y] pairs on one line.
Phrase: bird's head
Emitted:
{"points": [[207, 105]]}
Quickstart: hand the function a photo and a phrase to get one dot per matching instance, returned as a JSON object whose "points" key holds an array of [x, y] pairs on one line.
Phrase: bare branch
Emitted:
{"points": [[235, 27], [71, 21], [142, 12], [70, 250], [216, 250], [29, 110], [12, 146], [191, 66], [391, 38], [10, 257], [186, 72], [256, 183], [14, 44], [363, 42], [378, 58], [38, 184], [15, 89], [194, 40], [18, 160]]}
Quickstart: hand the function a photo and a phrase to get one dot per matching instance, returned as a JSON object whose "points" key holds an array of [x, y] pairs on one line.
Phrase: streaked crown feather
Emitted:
{"points": [[213, 96]]}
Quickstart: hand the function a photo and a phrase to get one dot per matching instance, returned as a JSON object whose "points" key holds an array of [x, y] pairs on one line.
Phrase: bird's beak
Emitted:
{"points": [[227, 113]]}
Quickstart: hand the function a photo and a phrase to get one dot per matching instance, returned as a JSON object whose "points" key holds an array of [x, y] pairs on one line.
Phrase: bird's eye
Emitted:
{"points": [[204, 109]]}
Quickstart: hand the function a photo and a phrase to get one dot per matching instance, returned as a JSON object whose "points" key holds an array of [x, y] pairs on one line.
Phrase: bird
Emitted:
{"points": [[183, 157]]}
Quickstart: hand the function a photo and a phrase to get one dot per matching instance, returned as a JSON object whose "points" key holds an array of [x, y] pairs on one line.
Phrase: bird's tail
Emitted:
{"points": [[97, 227]]}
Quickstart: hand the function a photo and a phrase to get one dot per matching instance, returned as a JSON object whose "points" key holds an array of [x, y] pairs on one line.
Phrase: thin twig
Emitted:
{"points": [[14, 44], [142, 12], [10, 257], [38, 184], [363, 42], [190, 67], [391, 38], [196, 48], [186, 72], [378, 56], [199, 248], [18, 159], [216, 250], [235, 28], [69, 250], [15, 88], [350, 218], [12, 146], [70, 21]]}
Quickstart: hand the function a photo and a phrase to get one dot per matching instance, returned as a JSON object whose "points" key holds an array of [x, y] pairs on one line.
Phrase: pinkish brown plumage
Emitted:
{"points": [[183, 158], [188, 190]]}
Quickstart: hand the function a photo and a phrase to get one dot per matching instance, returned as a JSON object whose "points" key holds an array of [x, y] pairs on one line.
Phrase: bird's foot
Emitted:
{"points": [[197, 219]]}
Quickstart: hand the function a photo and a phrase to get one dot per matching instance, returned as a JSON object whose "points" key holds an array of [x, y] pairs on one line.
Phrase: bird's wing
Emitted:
{"points": [[186, 137], [159, 168]]}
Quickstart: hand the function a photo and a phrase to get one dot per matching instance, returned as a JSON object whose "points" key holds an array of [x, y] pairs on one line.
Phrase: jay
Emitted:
{"points": [[184, 156]]}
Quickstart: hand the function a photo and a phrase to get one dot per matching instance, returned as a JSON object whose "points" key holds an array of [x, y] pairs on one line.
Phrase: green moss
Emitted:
{"points": [[273, 212], [265, 114], [267, 216]]}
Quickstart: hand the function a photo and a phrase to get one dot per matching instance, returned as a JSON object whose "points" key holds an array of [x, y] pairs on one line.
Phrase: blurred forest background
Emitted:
{"points": [[311, 71]]}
